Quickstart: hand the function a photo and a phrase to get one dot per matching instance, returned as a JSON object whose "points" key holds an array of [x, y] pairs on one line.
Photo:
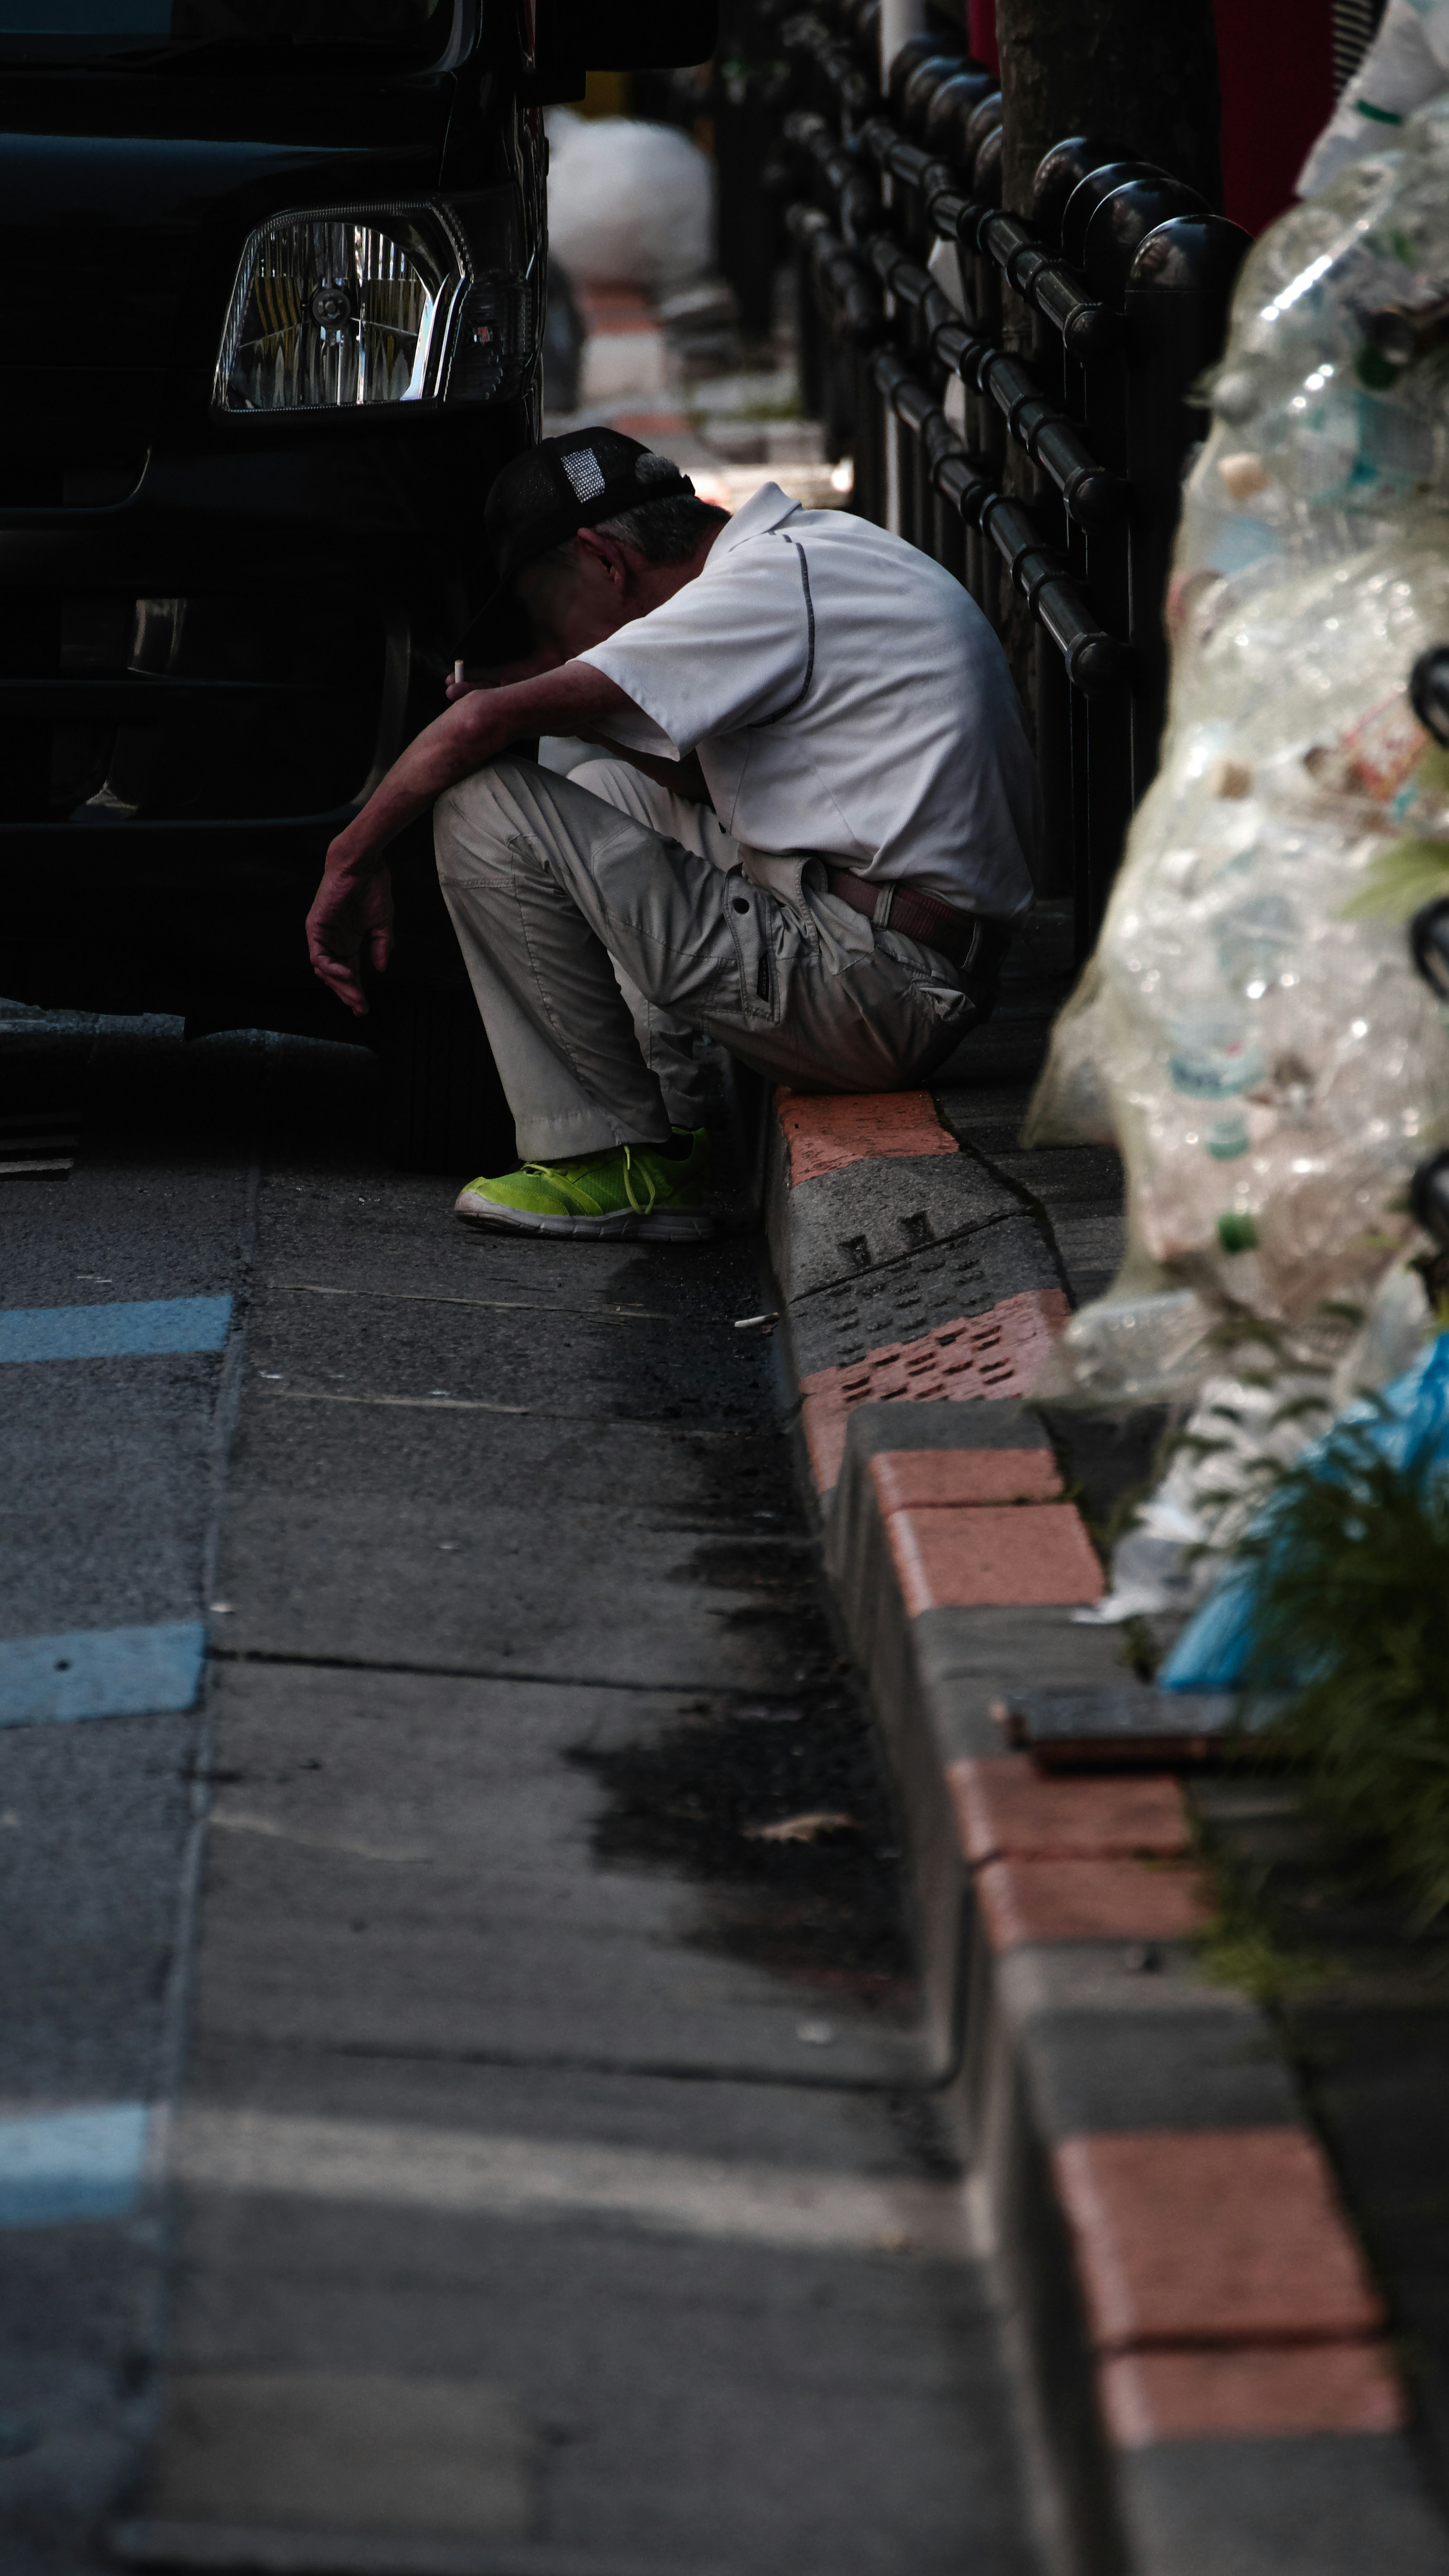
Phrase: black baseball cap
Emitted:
{"points": [[545, 496]]}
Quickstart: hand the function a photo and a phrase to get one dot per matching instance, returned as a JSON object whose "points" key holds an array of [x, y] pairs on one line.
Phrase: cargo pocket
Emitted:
{"points": [[750, 915]]}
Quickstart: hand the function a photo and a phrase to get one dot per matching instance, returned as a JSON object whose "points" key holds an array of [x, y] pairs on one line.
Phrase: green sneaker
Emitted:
{"points": [[626, 1190]]}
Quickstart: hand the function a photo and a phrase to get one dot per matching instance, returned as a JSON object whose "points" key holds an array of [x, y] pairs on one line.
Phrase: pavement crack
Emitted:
{"points": [[244, 1821], [533, 1412], [901, 2080], [502, 1305], [485, 1673]]}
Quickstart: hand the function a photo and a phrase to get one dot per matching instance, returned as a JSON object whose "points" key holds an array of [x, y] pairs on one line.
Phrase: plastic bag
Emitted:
{"points": [[1269, 1063], [1406, 65], [1241, 1432], [1408, 1425]]}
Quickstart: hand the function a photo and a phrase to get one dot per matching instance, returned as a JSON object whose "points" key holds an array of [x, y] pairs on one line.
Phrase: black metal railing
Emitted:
{"points": [[1015, 392]]}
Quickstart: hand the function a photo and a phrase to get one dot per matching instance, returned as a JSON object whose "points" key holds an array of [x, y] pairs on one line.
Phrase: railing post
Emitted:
{"points": [[1179, 288], [1106, 217], [1114, 221], [1066, 777]]}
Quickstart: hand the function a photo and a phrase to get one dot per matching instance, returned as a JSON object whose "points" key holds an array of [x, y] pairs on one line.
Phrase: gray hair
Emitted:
{"points": [[666, 532]]}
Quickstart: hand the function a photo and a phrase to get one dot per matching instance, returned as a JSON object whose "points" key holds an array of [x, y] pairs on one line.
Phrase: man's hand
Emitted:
{"points": [[353, 905], [503, 675], [350, 923]]}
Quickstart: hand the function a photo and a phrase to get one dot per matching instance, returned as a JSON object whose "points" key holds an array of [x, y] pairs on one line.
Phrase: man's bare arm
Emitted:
{"points": [[352, 911], [682, 777]]}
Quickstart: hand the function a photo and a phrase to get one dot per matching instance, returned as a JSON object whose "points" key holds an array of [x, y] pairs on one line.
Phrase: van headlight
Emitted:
{"points": [[339, 306]]}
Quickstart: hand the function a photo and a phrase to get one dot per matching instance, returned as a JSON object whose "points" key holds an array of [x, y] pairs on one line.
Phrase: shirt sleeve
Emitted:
{"points": [[732, 648]]}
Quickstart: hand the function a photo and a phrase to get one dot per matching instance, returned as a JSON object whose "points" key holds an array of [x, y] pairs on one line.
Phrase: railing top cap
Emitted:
{"points": [[983, 120], [1063, 169], [920, 89], [953, 104], [1189, 254], [1121, 221], [915, 51], [1090, 192]]}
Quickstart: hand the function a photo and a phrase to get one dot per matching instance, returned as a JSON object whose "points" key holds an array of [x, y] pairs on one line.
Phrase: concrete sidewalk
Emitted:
{"points": [[550, 2182]]}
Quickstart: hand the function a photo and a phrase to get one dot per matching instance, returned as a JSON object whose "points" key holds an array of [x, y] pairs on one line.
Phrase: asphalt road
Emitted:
{"points": [[441, 2126]]}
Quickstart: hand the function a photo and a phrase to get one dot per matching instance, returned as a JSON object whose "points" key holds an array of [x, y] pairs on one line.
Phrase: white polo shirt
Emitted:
{"points": [[845, 695]]}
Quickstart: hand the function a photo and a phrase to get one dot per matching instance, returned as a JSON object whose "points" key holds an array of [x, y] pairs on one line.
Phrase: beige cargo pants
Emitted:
{"points": [[607, 924]]}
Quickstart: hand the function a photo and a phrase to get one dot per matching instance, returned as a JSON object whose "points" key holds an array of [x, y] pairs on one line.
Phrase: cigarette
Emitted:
{"points": [[457, 670]]}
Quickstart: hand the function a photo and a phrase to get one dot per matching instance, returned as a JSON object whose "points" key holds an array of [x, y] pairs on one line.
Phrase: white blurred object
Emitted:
{"points": [[816, 487], [628, 203], [945, 267], [619, 363], [899, 20], [1406, 65]]}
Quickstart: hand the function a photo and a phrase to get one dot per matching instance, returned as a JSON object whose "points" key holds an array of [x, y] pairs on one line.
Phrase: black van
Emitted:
{"points": [[275, 278]]}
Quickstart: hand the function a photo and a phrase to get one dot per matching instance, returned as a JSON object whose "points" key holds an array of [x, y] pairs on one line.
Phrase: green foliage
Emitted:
{"points": [[1353, 1576], [1139, 1649], [1244, 1948], [1250, 1942]]}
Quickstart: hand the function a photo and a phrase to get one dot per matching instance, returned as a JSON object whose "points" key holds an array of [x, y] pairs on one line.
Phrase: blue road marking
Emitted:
{"points": [[101, 1672], [138, 1326], [62, 2165]]}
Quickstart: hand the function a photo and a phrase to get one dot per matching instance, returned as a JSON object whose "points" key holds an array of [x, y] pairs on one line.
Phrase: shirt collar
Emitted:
{"points": [[765, 509]]}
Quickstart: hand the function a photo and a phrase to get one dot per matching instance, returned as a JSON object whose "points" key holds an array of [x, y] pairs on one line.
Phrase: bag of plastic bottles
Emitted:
{"points": [[1252, 1030]]}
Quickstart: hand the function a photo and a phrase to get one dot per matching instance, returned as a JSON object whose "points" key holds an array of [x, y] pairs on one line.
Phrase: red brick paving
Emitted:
{"points": [[1316, 2388], [1090, 1900], [1004, 1805], [614, 308], [1218, 2236], [991, 1355], [989, 1554], [904, 1478], [651, 424], [825, 1131]]}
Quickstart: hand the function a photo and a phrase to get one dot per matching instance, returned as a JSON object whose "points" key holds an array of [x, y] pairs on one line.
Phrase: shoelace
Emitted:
{"points": [[629, 1185], [549, 1172]]}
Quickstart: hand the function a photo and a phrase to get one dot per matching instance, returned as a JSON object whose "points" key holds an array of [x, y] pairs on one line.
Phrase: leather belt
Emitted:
{"points": [[954, 934]]}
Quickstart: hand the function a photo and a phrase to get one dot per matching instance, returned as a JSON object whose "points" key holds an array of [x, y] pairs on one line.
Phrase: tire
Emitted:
{"points": [[443, 1105]]}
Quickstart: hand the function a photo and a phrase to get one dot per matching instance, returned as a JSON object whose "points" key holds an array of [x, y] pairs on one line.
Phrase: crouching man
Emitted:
{"points": [[808, 843]]}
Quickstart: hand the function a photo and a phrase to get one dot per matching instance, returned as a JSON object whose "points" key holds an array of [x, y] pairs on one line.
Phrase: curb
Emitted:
{"points": [[1206, 2356]]}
